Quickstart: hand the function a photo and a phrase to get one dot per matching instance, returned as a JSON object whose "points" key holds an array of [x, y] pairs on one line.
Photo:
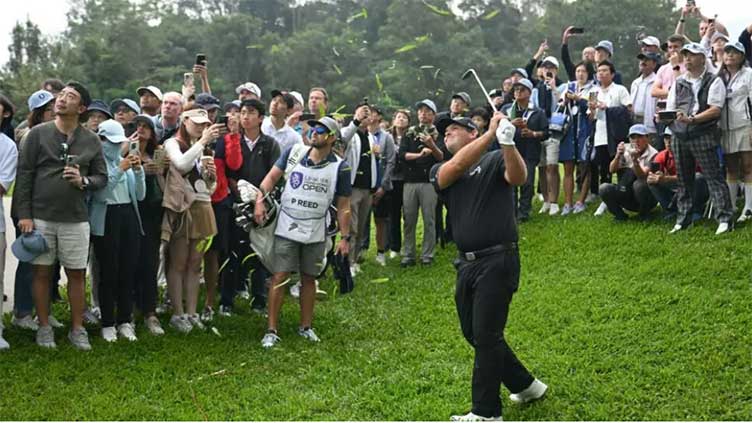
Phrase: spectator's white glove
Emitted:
{"points": [[505, 133]]}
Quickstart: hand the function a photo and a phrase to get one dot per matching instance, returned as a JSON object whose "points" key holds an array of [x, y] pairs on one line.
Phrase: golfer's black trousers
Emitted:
{"points": [[483, 294]]}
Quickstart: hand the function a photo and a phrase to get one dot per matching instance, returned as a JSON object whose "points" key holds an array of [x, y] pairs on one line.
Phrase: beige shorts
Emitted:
{"points": [[68, 243], [549, 152], [293, 256]]}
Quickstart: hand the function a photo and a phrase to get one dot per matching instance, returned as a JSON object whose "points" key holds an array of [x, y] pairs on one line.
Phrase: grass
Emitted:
{"points": [[621, 320]]}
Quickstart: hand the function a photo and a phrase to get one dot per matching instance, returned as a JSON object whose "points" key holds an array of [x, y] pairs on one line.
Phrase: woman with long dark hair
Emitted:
{"points": [[151, 211], [400, 123], [574, 145]]}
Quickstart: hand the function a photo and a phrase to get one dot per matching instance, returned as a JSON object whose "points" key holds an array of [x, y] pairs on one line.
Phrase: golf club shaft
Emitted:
{"points": [[485, 93]]}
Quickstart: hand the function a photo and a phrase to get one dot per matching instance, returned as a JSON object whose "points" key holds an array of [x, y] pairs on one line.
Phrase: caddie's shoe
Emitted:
{"points": [[471, 417], [546, 207], [127, 331], [535, 391], [601, 209], [554, 210]]}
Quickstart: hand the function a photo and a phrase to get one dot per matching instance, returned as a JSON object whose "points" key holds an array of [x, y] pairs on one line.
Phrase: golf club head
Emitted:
{"points": [[468, 73]]}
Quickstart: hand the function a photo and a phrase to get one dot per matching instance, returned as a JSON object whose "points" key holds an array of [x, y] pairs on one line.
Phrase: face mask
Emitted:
{"points": [[111, 151]]}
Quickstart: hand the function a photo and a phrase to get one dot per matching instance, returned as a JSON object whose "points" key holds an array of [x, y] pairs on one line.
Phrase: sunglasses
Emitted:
{"points": [[321, 130]]}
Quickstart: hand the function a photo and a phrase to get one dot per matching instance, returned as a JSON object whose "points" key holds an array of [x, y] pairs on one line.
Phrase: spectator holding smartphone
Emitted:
{"points": [[60, 161], [116, 229], [151, 212], [189, 218]]}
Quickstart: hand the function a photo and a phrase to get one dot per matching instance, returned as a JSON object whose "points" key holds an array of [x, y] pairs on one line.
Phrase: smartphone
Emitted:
{"points": [[188, 79], [593, 96], [158, 157], [70, 160], [690, 3], [133, 148], [201, 59], [577, 30], [711, 20], [365, 101], [222, 120], [549, 75], [655, 167], [307, 116], [661, 104], [667, 115]]}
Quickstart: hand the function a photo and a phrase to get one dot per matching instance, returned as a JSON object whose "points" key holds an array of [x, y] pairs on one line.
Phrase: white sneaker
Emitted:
{"points": [[601, 209], [126, 331], [26, 322], [308, 334], [676, 229], [554, 210], [46, 337], [295, 289], [590, 198], [90, 318], [195, 321], [745, 216], [393, 254], [578, 208], [545, 208], [181, 324], [270, 339], [567, 209], [52, 321], [4, 345], [354, 269], [471, 417], [155, 328], [723, 227], [539, 197], [381, 259], [535, 391], [109, 334], [244, 294]]}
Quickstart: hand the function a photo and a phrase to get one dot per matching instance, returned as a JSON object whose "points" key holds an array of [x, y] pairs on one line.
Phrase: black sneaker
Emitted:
{"points": [[407, 262]]}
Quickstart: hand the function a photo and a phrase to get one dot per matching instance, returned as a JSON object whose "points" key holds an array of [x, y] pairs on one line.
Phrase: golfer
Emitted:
{"points": [[478, 189]]}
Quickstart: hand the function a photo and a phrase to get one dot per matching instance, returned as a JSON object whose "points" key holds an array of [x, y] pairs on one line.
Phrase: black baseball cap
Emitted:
{"points": [[207, 101], [444, 123], [650, 56]]}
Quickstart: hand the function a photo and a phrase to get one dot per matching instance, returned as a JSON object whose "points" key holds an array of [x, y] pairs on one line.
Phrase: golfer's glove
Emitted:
{"points": [[505, 133]]}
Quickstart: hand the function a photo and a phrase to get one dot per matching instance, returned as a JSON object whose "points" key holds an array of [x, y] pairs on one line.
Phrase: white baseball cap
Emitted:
{"points": [[249, 86]]}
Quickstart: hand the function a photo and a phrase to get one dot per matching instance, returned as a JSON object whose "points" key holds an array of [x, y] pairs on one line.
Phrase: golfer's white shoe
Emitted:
{"points": [[546, 207], [723, 227], [535, 391], [471, 417], [601, 209]]}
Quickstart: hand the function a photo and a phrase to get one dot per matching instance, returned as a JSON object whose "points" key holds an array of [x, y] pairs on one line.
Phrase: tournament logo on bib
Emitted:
{"points": [[296, 180]]}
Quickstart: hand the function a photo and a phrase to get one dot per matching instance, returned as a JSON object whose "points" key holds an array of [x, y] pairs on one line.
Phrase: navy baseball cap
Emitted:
{"points": [[464, 122], [650, 56], [207, 101]]}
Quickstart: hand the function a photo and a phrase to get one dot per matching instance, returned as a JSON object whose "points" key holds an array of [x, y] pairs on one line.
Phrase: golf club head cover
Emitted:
{"points": [[505, 133]]}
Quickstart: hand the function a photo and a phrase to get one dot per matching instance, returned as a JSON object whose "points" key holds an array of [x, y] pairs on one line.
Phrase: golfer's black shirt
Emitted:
{"points": [[480, 204]]}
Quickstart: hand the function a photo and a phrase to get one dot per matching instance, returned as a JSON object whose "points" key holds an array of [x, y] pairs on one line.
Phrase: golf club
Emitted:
{"points": [[471, 71]]}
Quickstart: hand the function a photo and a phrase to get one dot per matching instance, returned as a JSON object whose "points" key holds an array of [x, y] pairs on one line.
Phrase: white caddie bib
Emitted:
{"points": [[305, 200]]}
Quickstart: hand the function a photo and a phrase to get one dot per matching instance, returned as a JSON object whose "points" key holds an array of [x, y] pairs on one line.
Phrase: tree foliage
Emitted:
{"points": [[393, 51]]}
